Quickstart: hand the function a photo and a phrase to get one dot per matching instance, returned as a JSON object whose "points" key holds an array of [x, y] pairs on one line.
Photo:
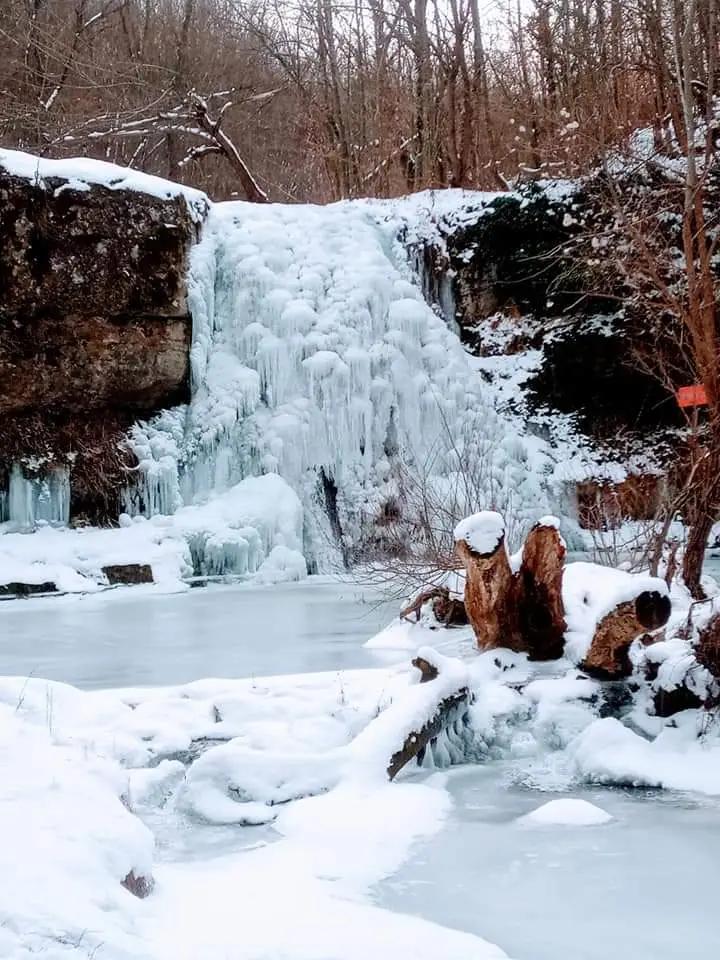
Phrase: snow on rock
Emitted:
{"points": [[482, 532], [567, 812], [589, 592], [81, 173]]}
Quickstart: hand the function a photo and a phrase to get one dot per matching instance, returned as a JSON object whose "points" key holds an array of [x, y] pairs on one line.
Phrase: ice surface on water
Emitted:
{"points": [[314, 350]]}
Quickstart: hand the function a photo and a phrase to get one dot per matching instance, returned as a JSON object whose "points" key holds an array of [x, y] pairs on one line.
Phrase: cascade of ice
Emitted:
{"points": [[314, 349], [38, 498]]}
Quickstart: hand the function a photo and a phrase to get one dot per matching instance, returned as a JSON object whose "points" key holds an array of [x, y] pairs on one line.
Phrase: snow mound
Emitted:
{"points": [[482, 532], [567, 812]]}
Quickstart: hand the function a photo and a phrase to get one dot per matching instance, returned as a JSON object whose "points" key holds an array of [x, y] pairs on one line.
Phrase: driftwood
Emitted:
{"points": [[447, 609], [608, 656]]}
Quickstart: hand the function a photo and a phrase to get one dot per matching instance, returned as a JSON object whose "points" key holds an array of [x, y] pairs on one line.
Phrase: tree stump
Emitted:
{"points": [[489, 585], [522, 611], [539, 593]]}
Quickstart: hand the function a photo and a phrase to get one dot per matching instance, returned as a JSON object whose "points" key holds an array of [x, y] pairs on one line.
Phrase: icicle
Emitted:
{"points": [[44, 498]]}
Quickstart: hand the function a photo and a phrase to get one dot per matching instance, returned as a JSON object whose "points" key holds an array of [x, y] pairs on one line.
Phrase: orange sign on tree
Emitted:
{"points": [[693, 396]]}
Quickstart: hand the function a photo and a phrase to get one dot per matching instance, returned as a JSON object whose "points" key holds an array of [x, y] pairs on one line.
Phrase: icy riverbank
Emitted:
{"points": [[325, 876]]}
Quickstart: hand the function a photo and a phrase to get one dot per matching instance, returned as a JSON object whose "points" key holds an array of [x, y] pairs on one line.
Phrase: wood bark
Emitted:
{"points": [[521, 611], [608, 656], [539, 593]]}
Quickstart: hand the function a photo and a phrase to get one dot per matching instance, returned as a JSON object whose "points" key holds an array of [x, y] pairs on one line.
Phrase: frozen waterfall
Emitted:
{"points": [[314, 354]]}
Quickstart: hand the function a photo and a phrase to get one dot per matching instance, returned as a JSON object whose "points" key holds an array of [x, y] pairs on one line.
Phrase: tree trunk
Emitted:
{"points": [[695, 554], [539, 593]]}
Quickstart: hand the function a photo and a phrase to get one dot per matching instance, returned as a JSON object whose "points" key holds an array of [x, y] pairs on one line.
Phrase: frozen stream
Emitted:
{"points": [[128, 637], [642, 887]]}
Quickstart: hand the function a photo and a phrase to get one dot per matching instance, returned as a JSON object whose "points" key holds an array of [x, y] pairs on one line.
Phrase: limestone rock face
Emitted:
{"points": [[93, 309]]}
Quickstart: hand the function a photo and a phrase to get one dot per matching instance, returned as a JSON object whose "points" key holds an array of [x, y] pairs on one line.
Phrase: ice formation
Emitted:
{"points": [[315, 356]]}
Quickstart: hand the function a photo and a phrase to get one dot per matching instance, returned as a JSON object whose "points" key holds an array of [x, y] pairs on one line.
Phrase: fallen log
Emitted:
{"points": [[608, 657], [448, 610], [434, 709], [451, 710]]}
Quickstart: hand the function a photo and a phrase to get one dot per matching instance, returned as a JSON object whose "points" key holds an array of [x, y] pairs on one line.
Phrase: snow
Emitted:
{"points": [[567, 812], [608, 752], [482, 532], [303, 895], [81, 173]]}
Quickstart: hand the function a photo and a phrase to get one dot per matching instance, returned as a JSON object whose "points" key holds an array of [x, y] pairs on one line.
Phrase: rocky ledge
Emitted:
{"points": [[95, 329]]}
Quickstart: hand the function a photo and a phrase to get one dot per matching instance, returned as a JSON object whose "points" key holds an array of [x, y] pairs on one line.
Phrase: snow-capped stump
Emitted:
{"points": [[522, 611], [480, 544]]}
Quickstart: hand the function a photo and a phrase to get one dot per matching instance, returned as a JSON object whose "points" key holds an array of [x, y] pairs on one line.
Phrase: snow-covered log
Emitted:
{"points": [[608, 656], [429, 716], [606, 609]]}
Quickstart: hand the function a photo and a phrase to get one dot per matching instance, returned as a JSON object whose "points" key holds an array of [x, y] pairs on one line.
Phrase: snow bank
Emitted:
{"points": [[567, 812], [608, 752], [82, 173], [254, 529], [66, 839]]}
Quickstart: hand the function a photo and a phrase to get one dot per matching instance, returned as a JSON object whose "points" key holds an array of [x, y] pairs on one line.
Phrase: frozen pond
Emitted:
{"points": [[129, 637], [642, 887]]}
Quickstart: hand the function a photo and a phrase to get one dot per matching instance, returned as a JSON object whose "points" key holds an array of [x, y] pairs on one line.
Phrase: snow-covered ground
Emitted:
{"points": [[342, 864]]}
